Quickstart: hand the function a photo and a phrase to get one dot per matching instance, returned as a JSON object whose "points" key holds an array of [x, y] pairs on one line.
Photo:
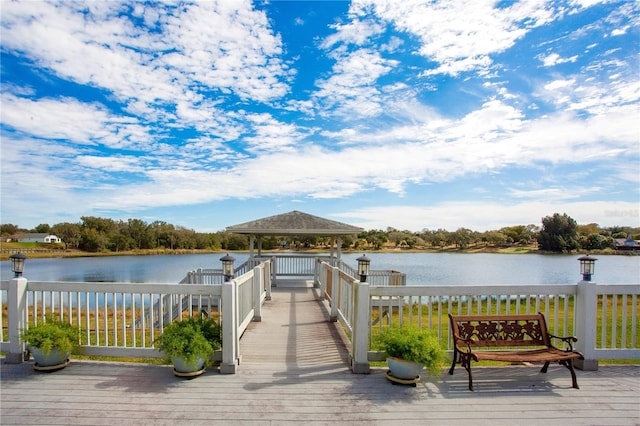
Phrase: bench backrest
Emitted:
{"points": [[501, 330]]}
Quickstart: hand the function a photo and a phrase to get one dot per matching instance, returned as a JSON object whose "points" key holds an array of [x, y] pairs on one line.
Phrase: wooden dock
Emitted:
{"points": [[294, 370]]}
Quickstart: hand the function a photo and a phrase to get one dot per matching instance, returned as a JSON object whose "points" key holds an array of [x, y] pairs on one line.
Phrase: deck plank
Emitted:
{"points": [[294, 370]]}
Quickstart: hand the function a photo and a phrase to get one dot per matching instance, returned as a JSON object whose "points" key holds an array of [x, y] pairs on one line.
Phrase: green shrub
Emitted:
{"points": [[413, 344], [190, 338], [51, 334]]}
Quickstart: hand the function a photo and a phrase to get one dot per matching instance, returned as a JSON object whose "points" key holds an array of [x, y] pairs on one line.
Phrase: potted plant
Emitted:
{"points": [[189, 343], [51, 342], [409, 349]]}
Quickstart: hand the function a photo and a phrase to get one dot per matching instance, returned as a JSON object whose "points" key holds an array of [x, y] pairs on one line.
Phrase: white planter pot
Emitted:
{"points": [[55, 358], [403, 369], [180, 366]]}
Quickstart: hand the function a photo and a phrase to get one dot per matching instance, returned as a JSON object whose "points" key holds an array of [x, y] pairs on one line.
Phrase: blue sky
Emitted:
{"points": [[409, 114]]}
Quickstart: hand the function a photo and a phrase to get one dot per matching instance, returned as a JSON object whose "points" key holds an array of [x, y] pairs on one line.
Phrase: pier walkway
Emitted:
{"points": [[294, 370]]}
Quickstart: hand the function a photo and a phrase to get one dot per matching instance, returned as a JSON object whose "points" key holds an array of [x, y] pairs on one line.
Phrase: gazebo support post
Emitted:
{"points": [[252, 243]]}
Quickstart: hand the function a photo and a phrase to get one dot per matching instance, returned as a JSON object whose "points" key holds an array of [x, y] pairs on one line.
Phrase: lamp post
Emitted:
{"points": [[17, 263], [227, 267], [363, 267], [587, 267]]}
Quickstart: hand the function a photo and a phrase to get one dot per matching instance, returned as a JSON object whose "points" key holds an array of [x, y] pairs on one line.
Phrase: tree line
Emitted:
{"points": [[558, 233]]}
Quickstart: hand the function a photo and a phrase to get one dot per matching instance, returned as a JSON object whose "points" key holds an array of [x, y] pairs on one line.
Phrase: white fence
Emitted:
{"points": [[124, 319], [603, 317], [377, 277]]}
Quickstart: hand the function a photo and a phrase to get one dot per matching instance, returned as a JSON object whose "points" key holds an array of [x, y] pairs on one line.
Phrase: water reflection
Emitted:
{"points": [[421, 268]]}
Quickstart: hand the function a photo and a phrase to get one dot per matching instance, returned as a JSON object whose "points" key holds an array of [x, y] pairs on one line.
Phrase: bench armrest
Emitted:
{"points": [[461, 343], [569, 340]]}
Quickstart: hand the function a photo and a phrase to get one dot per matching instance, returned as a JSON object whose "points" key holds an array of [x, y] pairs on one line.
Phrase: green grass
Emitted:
{"points": [[438, 315]]}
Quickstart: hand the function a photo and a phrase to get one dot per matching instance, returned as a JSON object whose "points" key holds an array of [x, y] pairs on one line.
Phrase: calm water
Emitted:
{"points": [[421, 268]]}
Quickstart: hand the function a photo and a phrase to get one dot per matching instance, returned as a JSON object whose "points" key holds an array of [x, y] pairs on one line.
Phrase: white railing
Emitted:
{"points": [[616, 339], [377, 277], [603, 317], [295, 267], [204, 276], [124, 319]]}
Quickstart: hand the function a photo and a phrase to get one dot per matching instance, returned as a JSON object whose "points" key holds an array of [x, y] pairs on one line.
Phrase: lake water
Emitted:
{"points": [[421, 268]]}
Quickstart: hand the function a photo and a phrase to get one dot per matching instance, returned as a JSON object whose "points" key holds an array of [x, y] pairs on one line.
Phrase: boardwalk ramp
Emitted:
{"points": [[295, 333]]}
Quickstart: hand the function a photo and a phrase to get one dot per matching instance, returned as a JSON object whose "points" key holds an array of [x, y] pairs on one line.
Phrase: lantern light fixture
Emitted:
{"points": [[17, 263], [363, 267], [227, 267], [587, 267]]}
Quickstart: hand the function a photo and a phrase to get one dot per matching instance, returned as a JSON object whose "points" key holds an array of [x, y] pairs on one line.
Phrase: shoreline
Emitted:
{"points": [[47, 254]]}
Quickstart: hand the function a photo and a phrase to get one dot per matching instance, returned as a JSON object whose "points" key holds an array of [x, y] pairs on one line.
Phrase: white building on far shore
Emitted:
{"points": [[38, 238]]}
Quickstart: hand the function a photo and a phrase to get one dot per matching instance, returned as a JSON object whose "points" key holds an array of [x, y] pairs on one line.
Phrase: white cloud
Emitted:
{"points": [[271, 135], [111, 164], [318, 173], [461, 35], [356, 32], [181, 55], [554, 59], [485, 216], [66, 119], [351, 90]]}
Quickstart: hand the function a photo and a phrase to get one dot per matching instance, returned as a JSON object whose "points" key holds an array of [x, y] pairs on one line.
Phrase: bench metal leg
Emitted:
{"points": [[453, 363], [569, 365], [465, 361], [574, 379]]}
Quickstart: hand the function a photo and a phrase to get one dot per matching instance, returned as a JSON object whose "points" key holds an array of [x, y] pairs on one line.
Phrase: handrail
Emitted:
{"points": [[603, 317], [124, 319]]}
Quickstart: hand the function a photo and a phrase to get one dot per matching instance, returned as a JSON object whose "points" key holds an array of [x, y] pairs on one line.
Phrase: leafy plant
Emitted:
{"points": [[52, 334], [413, 344], [190, 338]]}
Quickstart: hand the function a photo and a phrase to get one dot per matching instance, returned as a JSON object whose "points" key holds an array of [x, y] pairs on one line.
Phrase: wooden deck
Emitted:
{"points": [[294, 371]]}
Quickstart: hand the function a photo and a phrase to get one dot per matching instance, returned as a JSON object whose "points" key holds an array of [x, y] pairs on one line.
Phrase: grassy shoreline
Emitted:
{"points": [[40, 250]]}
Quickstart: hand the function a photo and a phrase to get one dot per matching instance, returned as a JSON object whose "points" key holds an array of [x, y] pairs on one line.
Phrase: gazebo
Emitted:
{"points": [[294, 223]]}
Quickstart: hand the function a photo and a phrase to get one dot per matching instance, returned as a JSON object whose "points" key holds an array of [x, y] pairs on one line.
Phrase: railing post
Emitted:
{"points": [[335, 292], [257, 293], [360, 338], [586, 320], [16, 307], [229, 329], [322, 279], [267, 277], [274, 270]]}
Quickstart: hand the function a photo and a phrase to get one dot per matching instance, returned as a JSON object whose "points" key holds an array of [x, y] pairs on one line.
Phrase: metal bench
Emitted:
{"points": [[510, 338]]}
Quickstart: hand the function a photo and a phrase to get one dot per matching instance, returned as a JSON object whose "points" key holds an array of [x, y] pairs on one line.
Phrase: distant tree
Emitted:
{"points": [[164, 234], [559, 233], [359, 243], [461, 238], [586, 230], [375, 238], [120, 242], [235, 242], [70, 233], [308, 241], [520, 233], [141, 234], [440, 238], [102, 225], [43, 228], [92, 240], [494, 238], [595, 241], [8, 229]]}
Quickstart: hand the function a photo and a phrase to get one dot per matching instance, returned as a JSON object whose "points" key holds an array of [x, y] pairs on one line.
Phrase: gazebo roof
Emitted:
{"points": [[294, 223]]}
